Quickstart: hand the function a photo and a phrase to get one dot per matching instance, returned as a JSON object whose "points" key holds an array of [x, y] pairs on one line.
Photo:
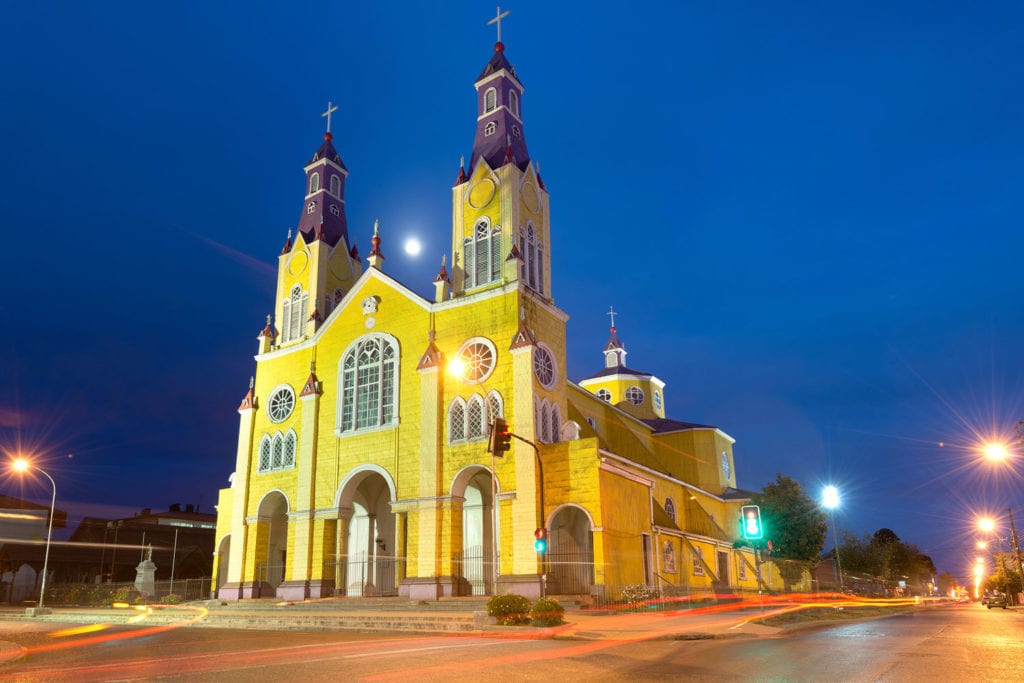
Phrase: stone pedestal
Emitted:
{"points": [[145, 575]]}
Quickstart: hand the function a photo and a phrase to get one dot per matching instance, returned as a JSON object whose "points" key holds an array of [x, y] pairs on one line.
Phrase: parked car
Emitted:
{"points": [[994, 600]]}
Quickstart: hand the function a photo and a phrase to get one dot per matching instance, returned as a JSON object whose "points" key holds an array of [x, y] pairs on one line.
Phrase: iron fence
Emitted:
{"points": [[360, 575]]}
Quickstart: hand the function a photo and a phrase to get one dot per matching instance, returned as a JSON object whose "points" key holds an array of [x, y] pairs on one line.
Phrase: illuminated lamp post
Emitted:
{"points": [[22, 465], [1000, 453], [830, 501]]}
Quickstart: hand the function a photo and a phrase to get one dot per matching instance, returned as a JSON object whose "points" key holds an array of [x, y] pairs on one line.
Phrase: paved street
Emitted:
{"points": [[942, 644]]}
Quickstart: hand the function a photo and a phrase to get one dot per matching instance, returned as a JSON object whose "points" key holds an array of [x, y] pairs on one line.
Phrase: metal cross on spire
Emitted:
{"points": [[497, 20], [611, 312], [331, 108]]}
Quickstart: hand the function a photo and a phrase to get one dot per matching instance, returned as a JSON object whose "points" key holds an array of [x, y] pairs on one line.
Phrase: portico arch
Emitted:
{"points": [[570, 550], [367, 563], [474, 486]]}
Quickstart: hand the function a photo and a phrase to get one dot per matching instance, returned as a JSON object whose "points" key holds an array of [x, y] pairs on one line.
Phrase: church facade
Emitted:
{"points": [[363, 463]]}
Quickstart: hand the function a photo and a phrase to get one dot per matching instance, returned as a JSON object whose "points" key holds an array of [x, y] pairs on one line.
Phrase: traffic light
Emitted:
{"points": [[750, 520], [501, 437], [540, 542]]}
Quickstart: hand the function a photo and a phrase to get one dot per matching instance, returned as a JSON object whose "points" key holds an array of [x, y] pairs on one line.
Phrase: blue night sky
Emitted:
{"points": [[808, 218]]}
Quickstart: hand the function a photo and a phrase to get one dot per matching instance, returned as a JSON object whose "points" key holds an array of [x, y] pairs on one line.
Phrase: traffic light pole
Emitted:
{"points": [[540, 512]]}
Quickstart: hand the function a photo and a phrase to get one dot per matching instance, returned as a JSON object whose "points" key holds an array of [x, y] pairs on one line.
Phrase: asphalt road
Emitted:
{"points": [[947, 644]]}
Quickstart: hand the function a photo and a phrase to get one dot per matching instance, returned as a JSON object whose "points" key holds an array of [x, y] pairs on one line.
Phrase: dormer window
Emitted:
{"points": [[490, 100], [334, 210], [513, 102], [489, 128], [314, 183], [516, 133], [311, 207], [335, 185]]}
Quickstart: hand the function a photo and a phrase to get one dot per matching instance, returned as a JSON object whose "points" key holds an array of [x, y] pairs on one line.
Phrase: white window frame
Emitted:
{"points": [[280, 388], [457, 419], [490, 100], [314, 183], [335, 185], [482, 254], [294, 314], [670, 508], [698, 561], [604, 395], [542, 350], [635, 395], [282, 446], [376, 383], [513, 102], [532, 252]]}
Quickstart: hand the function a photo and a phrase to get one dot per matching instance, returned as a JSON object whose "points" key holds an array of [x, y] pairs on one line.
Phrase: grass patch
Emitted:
{"points": [[813, 614]]}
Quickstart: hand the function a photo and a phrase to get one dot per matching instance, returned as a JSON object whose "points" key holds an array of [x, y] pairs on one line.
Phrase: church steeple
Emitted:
{"points": [[614, 350], [323, 211], [500, 228], [500, 137]]}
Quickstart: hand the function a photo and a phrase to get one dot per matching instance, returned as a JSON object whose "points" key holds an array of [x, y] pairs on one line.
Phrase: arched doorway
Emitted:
{"points": [[271, 543], [570, 552], [367, 562], [223, 560], [474, 566]]}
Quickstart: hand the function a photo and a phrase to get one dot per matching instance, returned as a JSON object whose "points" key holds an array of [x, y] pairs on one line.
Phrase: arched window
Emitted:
{"points": [[457, 420], [264, 463], [533, 259], [335, 185], [369, 384], [490, 100], [490, 128], [543, 420], [482, 254], [294, 314], [495, 406], [276, 452], [513, 102], [670, 509], [288, 458], [476, 419], [314, 183], [334, 210]]}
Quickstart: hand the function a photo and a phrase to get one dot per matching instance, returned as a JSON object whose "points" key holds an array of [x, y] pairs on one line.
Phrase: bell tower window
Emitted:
{"points": [[294, 313], [490, 100], [314, 183], [513, 102], [482, 254], [489, 128], [335, 185], [533, 260]]}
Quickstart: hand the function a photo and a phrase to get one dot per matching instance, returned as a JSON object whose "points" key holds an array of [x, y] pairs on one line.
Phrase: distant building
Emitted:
{"points": [[109, 550], [23, 529]]}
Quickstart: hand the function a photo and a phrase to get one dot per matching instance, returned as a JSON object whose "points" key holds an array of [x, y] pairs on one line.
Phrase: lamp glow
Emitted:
{"points": [[830, 497]]}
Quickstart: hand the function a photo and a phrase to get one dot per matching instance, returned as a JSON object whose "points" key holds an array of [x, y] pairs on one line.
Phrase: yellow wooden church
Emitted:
{"points": [[362, 465]]}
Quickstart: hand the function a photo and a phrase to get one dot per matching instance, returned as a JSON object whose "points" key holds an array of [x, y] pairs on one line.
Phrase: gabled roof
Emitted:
{"points": [[497, 63], [328, 152], [663, 425], [736, 494]]}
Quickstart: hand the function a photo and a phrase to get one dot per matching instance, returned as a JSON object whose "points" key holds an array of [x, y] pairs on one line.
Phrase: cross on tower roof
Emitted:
{"points": [[611, 312], [330, 110], [497, 20]]}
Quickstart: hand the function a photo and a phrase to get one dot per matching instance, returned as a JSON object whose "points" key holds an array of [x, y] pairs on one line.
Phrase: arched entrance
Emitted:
{"points": [[271, 543], [570, 552], [367, 562], [474, 565], [223, 559]]}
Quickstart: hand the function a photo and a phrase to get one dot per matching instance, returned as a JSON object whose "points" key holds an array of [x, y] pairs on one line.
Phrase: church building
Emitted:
{"points": [[363, 464]]}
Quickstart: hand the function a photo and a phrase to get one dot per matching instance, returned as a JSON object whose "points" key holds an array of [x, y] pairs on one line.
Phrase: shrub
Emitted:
{"points": [[509, 609], [547, 612], [638, 593], [171, 599]]}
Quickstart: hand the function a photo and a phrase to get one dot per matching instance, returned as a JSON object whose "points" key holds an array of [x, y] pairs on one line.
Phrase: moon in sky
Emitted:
{"points": [[413, 246]]}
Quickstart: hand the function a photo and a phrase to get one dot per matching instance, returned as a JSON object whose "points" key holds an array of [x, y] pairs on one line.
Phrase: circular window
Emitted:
{"points": [[281, 403], [657, 400], [635, 395], [477, 358], [544, 366], [604, 395]]}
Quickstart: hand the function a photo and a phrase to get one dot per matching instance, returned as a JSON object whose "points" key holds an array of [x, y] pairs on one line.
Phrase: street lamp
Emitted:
{"points": [[22, 465], [830, 500], [988, 525]]}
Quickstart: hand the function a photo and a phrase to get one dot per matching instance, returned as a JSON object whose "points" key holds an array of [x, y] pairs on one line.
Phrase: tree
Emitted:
{"points": [[946, 582], [794, 522]]}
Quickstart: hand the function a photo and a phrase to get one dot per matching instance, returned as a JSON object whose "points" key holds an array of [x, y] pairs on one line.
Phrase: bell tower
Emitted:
{"points": [[500, 224], [316, 269]]}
